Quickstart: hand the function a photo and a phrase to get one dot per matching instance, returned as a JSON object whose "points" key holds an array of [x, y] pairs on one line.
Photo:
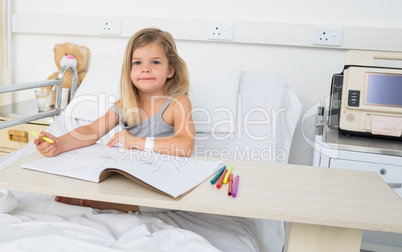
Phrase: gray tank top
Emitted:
{"points": [[152, 127]]}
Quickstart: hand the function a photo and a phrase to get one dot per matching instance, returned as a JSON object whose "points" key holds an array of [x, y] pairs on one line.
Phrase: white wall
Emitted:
{"points": [[371, 24]]}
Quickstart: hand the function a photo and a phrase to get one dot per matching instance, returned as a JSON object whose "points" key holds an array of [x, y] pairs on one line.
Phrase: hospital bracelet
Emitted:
{"points": [[149, 144]]}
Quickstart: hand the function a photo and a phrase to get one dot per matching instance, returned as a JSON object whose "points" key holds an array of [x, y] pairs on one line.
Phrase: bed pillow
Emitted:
{"points": [[99, 89], [213, 92], [268, 112]]}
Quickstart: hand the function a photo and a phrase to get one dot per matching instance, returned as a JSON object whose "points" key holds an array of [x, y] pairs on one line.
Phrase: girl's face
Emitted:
{"points": [[150, 69]]}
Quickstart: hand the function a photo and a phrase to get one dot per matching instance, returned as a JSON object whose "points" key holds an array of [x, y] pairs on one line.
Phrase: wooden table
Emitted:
{"points": [[327, 208]]}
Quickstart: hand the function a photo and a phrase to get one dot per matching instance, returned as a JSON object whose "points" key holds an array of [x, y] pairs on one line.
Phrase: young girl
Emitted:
{"points": [[154, 110]]}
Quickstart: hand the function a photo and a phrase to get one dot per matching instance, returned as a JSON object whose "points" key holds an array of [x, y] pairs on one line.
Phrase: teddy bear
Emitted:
{"points": [[70, 53]]}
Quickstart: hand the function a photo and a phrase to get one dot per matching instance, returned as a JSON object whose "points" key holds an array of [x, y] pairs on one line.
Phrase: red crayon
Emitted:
{"points": [[230, 184], [221, 179]]}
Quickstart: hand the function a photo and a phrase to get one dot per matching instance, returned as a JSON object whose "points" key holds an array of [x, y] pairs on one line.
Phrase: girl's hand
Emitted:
{"points": [[127, 140], [45, 148]]}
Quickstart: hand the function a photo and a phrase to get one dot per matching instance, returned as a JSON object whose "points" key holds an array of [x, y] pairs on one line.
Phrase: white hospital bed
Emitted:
{"points": [[261, 111]]}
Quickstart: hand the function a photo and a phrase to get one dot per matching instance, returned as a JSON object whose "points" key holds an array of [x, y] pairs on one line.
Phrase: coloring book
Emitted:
{"points": [[171, 175]]}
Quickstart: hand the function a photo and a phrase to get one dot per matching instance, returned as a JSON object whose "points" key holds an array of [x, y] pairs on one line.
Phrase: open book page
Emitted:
{"points": [[170, 174]]}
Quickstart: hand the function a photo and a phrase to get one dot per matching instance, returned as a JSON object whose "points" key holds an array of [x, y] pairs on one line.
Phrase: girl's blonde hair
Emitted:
{"points": [[177, 84]]}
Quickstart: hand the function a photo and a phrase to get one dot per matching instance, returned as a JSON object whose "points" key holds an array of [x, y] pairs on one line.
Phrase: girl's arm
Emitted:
{"points": [[79, 137], [182, 143]]}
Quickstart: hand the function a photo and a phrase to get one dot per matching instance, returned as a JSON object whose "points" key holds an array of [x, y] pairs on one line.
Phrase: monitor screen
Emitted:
{"points": [[383, 89]]}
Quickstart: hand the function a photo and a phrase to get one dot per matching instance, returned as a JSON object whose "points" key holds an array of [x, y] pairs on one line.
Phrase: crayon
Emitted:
{"points": [[218, 175], [221, 179], [230, 184], [44, 138], [225, 180], [236, 185]]}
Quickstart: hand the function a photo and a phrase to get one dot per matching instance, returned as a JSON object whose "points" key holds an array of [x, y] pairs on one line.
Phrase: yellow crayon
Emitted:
{"points": [[44, 138], [225, 180]]}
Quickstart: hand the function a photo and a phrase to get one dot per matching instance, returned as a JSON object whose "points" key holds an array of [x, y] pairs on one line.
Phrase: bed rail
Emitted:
{"points": [[55, 82]]}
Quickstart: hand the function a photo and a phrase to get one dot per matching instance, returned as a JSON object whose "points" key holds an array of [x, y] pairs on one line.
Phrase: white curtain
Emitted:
{"points": [[4, 50]]}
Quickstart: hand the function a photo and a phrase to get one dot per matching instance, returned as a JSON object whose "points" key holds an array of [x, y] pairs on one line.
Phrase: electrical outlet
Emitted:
{"points": [[328, 36], [220, 31], [110, 26]]}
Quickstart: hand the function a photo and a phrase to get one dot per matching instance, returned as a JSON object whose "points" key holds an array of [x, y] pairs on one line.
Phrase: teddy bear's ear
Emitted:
{"points": [[85, 50], [56, 47]]}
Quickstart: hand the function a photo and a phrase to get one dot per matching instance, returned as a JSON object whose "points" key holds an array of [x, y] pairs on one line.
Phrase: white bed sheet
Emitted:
{"points": [[51, 226], [45, 225]]}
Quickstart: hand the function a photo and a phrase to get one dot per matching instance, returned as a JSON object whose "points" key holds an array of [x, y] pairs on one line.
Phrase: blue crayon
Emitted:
{"points": [[218, 175]]}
